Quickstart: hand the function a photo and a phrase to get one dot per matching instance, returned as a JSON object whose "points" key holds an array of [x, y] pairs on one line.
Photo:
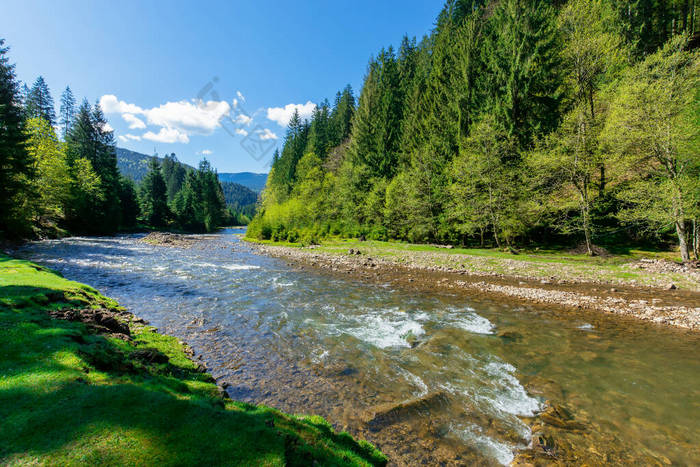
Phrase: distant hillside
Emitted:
{"points": [[255, 182], [242, 199], [134, 165]]}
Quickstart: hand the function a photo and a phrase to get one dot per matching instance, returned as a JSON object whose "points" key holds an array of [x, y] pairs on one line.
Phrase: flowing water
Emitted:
{"points": [[429, 378]]}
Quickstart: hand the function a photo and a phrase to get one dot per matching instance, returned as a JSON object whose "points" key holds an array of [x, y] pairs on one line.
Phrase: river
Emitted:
{"points": [[473, 370]]}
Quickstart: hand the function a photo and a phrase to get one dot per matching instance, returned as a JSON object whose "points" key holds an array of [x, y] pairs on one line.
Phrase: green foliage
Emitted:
{"points": [[52, 180], [89, 139], [38, 102], [129, 202], [173, 175], [15, 164], [67, 112], [241, 202], [653, 129], [513, 121], [154, 196], [522, 55], [200, 205]]}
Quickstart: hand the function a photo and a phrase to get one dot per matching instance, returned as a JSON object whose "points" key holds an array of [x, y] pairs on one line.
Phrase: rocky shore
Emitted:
{"points": [[662, 302]]}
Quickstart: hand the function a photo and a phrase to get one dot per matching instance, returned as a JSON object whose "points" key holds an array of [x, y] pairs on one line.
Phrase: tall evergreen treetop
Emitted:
{"points": [[67, 111], [40, 103], [523, 67]]}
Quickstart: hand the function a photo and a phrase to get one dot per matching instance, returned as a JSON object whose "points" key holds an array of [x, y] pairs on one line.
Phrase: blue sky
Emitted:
{"points": [[205, 78]]}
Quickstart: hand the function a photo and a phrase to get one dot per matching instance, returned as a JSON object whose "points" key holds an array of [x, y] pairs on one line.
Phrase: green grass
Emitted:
{"points": [[69, 396]]}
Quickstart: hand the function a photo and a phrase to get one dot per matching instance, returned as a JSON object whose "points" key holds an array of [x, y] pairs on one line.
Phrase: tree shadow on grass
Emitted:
{"points": [[56, 405]]}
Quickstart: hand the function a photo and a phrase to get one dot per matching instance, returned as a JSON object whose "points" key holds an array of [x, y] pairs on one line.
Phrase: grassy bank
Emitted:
{"points": [[72, 392], [624, 268]]}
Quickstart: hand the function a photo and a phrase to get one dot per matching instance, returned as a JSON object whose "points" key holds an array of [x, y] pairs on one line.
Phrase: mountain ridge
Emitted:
{"points": [[134, 165]]}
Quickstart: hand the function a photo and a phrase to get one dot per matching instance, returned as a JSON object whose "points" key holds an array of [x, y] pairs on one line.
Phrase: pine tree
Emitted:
{"points": [[319, 140], [67, 112], [522, 57], [173, 174], [128, 200], [377, 123], [40, 103], [187, 206], [90, 139], [105, 165], [15, 167], [154, 198], [211, 195]]}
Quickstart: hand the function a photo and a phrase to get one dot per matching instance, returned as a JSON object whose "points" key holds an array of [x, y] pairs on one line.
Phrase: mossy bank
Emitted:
{"points": [[82, 381]]}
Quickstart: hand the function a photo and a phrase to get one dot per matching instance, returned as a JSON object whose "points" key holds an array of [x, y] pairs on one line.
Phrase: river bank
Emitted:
{"points": [[84, 381], [651, 289]]}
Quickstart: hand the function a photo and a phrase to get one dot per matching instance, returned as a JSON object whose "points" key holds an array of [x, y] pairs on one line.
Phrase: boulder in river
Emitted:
{"points": [[387, 414]]}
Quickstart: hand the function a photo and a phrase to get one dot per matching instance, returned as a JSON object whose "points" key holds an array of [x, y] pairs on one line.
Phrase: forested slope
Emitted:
{"points": [[513, 122]]}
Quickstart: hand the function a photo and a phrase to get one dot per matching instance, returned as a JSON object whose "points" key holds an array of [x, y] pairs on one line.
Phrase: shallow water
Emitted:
{"points": [[308, 342]]}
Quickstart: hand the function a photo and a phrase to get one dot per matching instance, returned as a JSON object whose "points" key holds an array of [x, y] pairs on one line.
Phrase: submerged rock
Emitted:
{"points": [[558, 416], [387, 414], [509, 334]]}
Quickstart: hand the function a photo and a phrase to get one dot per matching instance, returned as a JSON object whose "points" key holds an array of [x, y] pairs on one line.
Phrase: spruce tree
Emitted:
{"points": [[173, 174], [15, 167], [211, 195], [40, 103], [319, 139], [128, 200], [154, 198], [90, 139], [105, 165], [67, 111], [523, 63]]}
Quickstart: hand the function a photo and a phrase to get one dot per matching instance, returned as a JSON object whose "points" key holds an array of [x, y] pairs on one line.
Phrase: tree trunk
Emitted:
{"points": [[696, 239], [495, 236], [683, 240], [587, 231]]}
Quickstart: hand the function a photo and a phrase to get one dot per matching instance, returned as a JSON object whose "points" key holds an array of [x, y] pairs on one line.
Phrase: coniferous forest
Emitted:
{"points": [[67, 181], [513, 123]]}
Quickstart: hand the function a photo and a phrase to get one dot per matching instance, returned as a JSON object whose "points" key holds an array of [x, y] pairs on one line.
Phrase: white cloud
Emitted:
{"points": [[189, 117], [266, 134], [177, 120], [204, 152], [240, 96], [129, 137], [107, 127], [243, 119], [134, 122], [241, 131], [282, 115], [167, 135], [111, 105]]}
